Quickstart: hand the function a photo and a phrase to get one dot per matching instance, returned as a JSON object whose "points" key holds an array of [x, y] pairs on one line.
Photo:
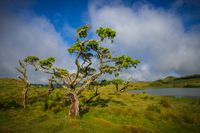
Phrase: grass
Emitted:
{"points": [[108, 113]]}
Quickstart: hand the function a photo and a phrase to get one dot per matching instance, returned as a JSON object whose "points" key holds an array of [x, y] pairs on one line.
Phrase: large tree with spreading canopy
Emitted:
{"points": [[85, 51]]}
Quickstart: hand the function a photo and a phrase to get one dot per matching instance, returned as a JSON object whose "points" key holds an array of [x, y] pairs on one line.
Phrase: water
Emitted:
{"points": [[177, 92]]}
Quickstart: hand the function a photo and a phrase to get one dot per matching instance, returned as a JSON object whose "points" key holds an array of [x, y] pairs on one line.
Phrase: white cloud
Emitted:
{"points": [[26, 34], [156, 36]]}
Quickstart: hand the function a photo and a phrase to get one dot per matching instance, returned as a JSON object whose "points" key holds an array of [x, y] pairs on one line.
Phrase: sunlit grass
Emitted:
{"points": [[107, 113]]}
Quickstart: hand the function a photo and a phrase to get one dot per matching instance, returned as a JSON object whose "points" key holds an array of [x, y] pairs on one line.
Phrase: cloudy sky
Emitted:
{"points": [[164, 35]]}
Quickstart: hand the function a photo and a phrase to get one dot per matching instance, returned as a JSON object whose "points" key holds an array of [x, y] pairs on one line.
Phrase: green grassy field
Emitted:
{"points": [[108, 113]]}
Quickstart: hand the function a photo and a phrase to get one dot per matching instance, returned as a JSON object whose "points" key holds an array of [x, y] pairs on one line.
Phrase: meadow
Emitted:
{"points": [[107, 113]]}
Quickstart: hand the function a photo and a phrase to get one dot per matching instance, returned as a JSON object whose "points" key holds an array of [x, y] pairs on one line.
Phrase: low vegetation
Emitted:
{"points": [[106, 113]]}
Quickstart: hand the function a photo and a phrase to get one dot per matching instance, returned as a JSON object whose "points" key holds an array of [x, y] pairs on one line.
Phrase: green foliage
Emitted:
{"points": [[104, 82], [92, 44], [55, 102], [76, 47], [105, 52], [117, 81], [100, 83], [47, 63], [31, 59], [59, 72], [116, 74], [106, 33], [7, 103], [125, 61], [82, 31]]}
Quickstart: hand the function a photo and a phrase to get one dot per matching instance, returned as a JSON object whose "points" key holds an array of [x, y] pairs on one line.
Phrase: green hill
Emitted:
{"points": [[191, 81]]}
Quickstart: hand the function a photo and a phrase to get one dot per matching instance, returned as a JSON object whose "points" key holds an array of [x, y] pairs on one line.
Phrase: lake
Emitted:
{"points": [[177, 92]]}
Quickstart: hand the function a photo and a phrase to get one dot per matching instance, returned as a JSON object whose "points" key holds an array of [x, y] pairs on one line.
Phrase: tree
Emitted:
{"points": [[85, 51], [126, 85], [117, 82], [24, 78], [95, 86]]}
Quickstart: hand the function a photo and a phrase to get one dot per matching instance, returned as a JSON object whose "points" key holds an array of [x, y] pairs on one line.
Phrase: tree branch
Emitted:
{"points": [[94, 77]]}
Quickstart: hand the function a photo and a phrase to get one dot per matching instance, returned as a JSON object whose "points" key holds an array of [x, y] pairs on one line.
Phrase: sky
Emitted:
{"points": [[163, 34]]}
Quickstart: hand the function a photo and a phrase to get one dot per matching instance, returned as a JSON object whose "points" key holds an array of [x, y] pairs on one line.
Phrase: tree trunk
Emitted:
{"points": [[50, 90], [51, 87], [25, 97], [117, 88], [74, 108]]}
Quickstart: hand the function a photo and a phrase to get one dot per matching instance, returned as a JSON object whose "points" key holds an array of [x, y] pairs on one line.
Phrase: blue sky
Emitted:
{"points": [[163, 34], [75, 12]]}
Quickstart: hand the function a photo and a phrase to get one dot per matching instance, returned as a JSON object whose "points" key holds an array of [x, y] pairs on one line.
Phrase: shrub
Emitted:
{"points": [[57, 108], [165, 103], [7, 103], [154, 108], [55, 102], [145, 97]]}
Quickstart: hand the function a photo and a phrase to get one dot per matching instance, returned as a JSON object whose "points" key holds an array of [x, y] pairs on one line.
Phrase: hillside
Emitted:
{"points": [[108, 113], [190, 81]]}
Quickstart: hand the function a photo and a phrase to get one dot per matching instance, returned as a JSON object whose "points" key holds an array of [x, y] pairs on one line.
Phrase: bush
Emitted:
{"points": [[145, 97], [154, 108], [48, 104], [165, 103], [57, 108], [7, 103], [56, 102]]}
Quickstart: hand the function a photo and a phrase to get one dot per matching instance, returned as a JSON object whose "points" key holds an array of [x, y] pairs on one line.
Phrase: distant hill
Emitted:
{"points": [[190, 81]]}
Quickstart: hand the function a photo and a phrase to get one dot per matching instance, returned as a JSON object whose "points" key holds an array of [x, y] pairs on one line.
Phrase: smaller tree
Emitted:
{"points": [[95, 86], [118, 82], [126, 85], [23, 77]]}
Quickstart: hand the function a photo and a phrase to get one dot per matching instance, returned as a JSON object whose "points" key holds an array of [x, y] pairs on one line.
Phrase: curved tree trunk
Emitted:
{"points": [[74, 108]]}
